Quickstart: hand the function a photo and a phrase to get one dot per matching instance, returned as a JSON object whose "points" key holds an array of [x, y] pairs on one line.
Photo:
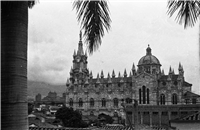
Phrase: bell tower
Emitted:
{"points": [[79, 71]]}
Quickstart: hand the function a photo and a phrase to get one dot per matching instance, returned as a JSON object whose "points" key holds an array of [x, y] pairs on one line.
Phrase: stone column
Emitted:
{"points": [[169, 115], [150, 116], [160, 116], [141, 117]]}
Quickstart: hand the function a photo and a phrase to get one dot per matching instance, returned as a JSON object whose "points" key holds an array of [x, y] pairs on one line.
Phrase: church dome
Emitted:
{"points": [[148, 59]]}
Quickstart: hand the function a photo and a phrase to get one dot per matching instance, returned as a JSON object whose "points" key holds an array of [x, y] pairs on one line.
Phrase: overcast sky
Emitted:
{"points": [[54, 35]]}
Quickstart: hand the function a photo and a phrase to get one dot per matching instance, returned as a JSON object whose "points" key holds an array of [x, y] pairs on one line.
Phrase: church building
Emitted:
{"points": [[146, 83]]}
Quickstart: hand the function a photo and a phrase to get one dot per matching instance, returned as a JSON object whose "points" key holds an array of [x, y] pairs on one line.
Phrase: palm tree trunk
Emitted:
{"points": [[14, 27], [199, 46]]}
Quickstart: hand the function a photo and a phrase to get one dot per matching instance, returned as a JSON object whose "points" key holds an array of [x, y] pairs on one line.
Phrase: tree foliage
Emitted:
{"points": [[70, 117], [11, 4], [105, 118], [187, 11], [94, 18]]}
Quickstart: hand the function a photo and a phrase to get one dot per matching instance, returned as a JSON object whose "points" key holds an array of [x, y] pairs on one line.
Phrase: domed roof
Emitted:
{"points": [[148, 58]]}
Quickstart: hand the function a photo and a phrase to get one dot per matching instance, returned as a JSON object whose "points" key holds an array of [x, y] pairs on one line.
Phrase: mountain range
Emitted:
{"points": [[35, 87]]}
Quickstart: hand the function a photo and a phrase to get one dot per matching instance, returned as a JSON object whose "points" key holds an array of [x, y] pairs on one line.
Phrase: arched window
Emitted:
{"points": [[80, 102], [115, 101], [115, 114], [91, 102], [174, 98], [128, 100], [103, 101], [147, 96], [144, 94], [140, 96], [162, 99], [70, 102]]}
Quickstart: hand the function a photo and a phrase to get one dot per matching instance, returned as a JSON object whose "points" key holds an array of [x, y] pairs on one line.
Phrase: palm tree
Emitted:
{"points": [[14, 21], [94, 18], [188, 11], [14, 27]]}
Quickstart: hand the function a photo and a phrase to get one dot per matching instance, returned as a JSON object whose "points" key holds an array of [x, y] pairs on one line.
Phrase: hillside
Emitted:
{"points": [[43, 88]]}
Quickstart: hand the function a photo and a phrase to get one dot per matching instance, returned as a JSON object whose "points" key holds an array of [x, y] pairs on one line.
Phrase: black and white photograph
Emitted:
{"points": [[100, 65]]}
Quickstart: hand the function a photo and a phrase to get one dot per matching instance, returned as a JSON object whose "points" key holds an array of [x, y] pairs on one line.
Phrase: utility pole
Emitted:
{"points": [[129, 122], [134, 115]]}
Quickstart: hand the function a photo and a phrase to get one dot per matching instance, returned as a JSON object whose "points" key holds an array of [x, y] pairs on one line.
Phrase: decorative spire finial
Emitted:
{"points": [[102, 75], [113, 73], [180, 67], [80, 35], [119, 75], [133, 67], [74, 52], [148, 50], [125, 74], [80, 46]]}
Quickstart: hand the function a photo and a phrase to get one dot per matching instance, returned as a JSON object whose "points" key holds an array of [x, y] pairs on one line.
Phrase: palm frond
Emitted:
{"points": [[94, 19], [187, 11], [31, 3]]}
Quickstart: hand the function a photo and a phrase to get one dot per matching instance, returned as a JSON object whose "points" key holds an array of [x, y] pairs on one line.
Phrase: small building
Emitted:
{"points": [[190, 122], [39, 120], [53, 109]]}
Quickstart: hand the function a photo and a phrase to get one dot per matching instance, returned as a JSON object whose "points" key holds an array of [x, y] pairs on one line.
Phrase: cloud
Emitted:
{"points": [[54, 34], [53, 72]]}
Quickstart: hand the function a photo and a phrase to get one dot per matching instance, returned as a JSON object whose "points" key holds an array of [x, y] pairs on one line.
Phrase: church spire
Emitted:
{"points": [[102, 75], [109, 79], [113, 74], [170, 70], [133, 69], [125, 74], [180, 67], [98, 81], [173, 71], [80, 45], [130, 74], [119, 75], [74, 52]]}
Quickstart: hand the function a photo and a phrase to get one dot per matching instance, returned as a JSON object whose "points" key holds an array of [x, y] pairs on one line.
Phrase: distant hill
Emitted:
{"points": [[44, 88]]}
